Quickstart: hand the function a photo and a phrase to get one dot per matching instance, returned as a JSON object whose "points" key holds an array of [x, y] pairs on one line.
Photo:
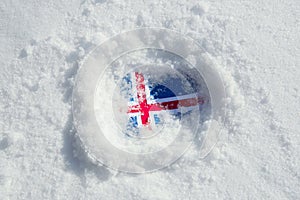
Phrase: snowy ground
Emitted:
{"points": [[256, 43]]}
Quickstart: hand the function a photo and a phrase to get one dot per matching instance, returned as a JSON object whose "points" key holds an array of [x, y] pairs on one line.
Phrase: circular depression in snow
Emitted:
{"points": [[142, 97]]}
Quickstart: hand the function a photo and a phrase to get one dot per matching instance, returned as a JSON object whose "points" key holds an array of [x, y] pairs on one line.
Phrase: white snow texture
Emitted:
{"points": [[256, 46]]}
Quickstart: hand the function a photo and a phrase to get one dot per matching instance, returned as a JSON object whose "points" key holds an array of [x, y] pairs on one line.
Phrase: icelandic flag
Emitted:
{"points": [[147, 99]]}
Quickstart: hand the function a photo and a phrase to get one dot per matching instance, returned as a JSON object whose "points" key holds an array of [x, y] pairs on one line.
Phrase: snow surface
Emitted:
{"points": [[254, 43]]}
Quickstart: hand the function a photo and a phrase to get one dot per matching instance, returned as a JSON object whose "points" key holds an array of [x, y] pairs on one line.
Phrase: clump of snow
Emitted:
{"points": [[200, 8]]}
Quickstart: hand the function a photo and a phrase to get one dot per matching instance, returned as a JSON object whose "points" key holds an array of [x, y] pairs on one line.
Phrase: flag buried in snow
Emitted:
{"points": [[150, 96]]}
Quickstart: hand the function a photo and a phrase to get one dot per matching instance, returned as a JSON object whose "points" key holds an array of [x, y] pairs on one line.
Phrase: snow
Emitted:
{"points": [[255, 46]]}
